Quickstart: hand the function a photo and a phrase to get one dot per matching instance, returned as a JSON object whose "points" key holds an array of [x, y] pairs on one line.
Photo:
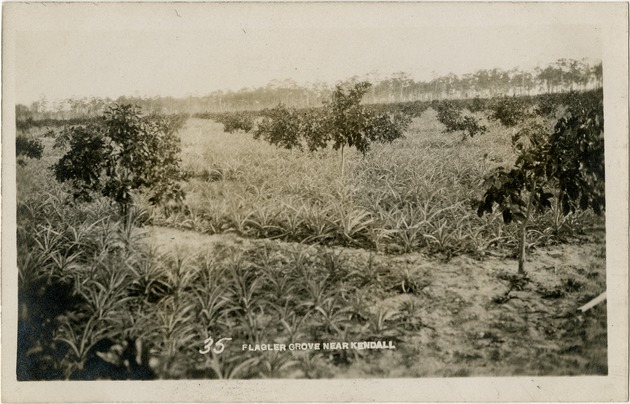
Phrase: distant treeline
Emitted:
{"points": [[24, 123], [544, 103], [561, 76]]}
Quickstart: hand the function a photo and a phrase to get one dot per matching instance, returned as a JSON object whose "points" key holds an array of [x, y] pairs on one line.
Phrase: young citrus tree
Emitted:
{"points": [[509, 111], [343, 122], [567, 164], [235, 121], [577, 155], [25, 147], [455, 121], [349, 124], [281, 126], [122, 153]]}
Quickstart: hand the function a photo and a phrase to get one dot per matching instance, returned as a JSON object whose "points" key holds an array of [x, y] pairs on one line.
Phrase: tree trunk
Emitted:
{"points": [[342, 161], [558, 212], [523, 236], [521, 247]]}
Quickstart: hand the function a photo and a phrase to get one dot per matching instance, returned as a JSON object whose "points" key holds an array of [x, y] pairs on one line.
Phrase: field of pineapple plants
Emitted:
{"points": [[437, 239]]}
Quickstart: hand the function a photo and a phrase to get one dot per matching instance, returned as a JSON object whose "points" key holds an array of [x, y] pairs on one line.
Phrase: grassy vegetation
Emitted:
{"points": [[412, 195], [393, 251]]}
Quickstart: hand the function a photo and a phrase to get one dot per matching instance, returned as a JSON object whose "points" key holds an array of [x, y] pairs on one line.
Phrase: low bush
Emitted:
{"points": [[27, 148], [455, 121]]}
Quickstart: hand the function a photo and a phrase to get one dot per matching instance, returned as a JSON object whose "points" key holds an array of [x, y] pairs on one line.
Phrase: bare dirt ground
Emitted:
{"points": [[472, 317]]}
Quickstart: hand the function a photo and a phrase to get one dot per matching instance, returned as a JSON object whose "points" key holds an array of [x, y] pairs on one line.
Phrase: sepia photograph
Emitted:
{"points": [[249, 196]]}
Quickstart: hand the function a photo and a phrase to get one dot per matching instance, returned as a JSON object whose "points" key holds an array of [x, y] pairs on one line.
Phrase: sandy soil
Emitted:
{"points": [[475, 318]]}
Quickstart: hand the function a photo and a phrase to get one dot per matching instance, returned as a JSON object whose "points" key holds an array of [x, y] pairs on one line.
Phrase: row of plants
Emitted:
{"points": [[417, 194], [97, 303], [245, 120], [545, 104], [391, 209], [510, 111], [233, 121], [114, 159], [26, 123]]}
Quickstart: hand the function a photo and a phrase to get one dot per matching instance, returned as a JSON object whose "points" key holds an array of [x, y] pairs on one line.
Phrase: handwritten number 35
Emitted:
{"points": [[218, 347]]}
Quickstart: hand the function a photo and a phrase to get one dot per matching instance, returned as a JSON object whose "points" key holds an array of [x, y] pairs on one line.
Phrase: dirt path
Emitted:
{"points": [[475, 317]]}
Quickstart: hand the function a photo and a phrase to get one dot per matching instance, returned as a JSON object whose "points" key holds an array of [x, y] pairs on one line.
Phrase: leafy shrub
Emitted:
{"points": [[569, 163], [126, 152], [476, 105], [236, 121], [232, 121], [448, 115], [547, 105], [343, 122], [509, 111], [384, 128], [413, 109], [452, 118], [350, 124], [173, 122], [577, 153], [24, 124], [281, 126], [31, 148], [582, 103]]}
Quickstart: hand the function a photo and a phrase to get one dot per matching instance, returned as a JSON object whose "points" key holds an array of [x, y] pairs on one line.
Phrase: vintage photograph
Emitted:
{"points": [[303, 191]]}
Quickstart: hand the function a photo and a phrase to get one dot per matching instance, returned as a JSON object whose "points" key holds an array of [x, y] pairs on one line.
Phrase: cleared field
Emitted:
{"points": [[463, 317], [452, 316], [415, 194], [276, 248]]}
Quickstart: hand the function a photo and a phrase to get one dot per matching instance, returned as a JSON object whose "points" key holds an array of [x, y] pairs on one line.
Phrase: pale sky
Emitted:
{"points": [[182, 49]]}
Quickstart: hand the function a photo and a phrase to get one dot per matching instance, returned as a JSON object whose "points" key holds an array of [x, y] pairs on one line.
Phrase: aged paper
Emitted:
{"points": [[440, 320]]}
